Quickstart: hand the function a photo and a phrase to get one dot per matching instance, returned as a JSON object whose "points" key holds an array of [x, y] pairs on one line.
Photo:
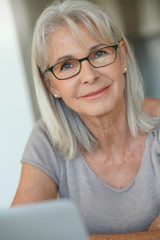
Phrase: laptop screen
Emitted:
{"points": [[50, 220]]}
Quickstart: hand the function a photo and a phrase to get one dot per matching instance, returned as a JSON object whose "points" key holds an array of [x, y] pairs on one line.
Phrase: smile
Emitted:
{"points": [[96, 94]]}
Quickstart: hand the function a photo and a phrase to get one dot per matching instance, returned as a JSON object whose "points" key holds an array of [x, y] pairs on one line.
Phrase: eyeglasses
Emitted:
{"points": [[71, 67]]}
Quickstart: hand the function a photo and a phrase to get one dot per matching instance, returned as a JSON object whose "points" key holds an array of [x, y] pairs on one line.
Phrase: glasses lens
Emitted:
{"points": [[103, 57], [66, 69]]}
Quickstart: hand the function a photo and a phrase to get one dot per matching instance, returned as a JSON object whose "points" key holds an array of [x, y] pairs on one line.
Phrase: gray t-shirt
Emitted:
{"points": [[106, 210]]}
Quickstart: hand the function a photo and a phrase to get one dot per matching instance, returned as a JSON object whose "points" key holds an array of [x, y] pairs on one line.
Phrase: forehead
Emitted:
{"points": [[64, 41]]}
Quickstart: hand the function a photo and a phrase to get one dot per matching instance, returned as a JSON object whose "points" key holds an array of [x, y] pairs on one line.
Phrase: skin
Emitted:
{"points": [[104, 113]]}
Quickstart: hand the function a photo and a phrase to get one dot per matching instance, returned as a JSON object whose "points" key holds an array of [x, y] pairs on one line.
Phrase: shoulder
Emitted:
{"points": [[41, 152], [152, 107], [39, 126], [39, 142], [40, 132]]}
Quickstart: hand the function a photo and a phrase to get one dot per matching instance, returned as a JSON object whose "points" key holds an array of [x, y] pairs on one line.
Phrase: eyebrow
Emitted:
{"points": [[97, 46], [65, 57]]}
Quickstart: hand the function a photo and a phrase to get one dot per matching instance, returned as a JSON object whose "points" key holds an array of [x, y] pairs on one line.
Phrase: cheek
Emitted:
{"points": [[120, 81], [60, 86], [66, 89], [116, 77], [113, 74]]}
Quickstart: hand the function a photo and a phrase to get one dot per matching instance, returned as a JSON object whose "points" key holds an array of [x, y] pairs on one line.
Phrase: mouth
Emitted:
{"points": [[96, 94]]}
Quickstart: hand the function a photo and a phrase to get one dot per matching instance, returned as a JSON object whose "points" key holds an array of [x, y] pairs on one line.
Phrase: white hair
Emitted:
{"points": [[66, 129]]}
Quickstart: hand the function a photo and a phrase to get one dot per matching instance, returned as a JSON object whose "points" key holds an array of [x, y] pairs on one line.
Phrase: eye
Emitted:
{"points": [[65, 66], [100, 54]]}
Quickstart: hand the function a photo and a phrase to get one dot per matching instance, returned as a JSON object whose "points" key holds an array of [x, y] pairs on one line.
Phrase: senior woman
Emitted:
{"points": [[98, 142]]}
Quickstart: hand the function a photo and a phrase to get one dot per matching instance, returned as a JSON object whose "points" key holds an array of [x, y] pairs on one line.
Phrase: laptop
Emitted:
{"points": [[50, 220]]}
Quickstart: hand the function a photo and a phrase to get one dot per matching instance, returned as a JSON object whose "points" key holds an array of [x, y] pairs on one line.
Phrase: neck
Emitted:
{"points": [[110, 130]]}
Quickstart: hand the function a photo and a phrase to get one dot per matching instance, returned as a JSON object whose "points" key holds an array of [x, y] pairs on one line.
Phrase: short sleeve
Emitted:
{"points": [[41, 153]]}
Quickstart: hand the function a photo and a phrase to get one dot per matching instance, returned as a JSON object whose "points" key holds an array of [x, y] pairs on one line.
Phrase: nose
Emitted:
{"points": [[88, 73]]}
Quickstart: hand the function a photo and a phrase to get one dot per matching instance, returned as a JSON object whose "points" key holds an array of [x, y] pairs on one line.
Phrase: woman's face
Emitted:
{"points": [[94, 91]]}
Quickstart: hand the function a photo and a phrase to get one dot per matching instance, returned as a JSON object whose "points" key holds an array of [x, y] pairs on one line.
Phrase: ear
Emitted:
{"points": [[123, 57], [50, 86]]}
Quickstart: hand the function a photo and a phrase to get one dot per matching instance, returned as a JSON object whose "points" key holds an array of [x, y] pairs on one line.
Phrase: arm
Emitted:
{"points": [[152, 234], [129, 236], [155, 226], [34, 186], [152, 107]]}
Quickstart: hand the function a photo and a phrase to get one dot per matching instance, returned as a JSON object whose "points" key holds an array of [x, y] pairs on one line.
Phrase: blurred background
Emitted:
{"points": [[140, 20]]}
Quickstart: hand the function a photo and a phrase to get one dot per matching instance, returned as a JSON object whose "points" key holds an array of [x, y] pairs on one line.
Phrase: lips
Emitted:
{"points": [[96, 94]]}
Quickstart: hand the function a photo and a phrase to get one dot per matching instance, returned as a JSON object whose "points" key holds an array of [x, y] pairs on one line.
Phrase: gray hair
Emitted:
{"points": [[67, 131]]}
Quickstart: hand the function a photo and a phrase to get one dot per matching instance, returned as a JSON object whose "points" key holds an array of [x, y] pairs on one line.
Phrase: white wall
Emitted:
{"points": [[16, 116]]}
